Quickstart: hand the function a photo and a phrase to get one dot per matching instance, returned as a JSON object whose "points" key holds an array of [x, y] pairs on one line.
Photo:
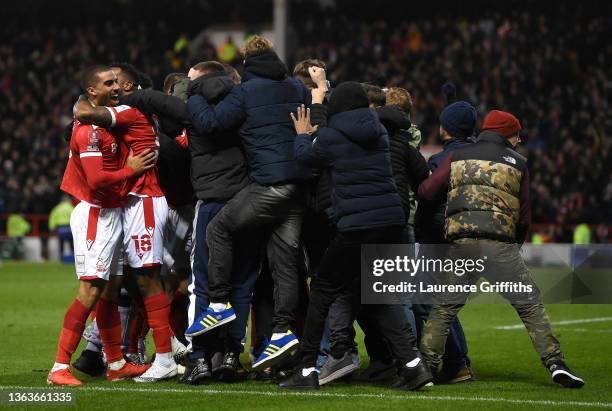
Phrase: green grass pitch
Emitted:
{"points": [[33, 298]]}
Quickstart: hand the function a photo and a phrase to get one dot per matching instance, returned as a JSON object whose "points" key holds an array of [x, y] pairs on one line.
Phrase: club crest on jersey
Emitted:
{"points": [[93, 142], [100, 265]]}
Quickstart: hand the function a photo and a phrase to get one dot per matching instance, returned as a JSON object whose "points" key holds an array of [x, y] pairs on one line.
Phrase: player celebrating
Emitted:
{"points": [[144, 216], [93, 176]]}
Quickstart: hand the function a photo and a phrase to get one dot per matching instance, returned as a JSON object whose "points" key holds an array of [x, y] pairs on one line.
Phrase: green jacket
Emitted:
{"points": [[60, 215], [582, 234], [415, 141], [17, 226]]}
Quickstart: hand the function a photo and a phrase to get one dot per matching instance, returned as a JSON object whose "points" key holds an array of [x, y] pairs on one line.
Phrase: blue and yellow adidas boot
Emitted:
{"points": [[210, 319], [276, 350]]}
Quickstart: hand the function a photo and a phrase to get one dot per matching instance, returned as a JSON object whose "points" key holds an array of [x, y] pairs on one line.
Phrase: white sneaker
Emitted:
{"points": [[178, 349], [158, 372]]}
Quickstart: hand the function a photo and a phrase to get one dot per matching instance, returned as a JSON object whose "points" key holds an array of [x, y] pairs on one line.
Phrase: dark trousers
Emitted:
{"points": [[339, 334], [277, 211], [262, 309], [339, 276], [65, 237], [245, 268]]}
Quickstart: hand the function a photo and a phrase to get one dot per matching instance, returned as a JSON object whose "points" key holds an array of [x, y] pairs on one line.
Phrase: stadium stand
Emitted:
{"points": [[556, 76]]}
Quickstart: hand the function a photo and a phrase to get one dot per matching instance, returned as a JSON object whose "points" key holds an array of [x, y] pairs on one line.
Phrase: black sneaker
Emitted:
{"points": [[265, 375], [196, 372], [297, 381], [415, 377], [230, 369], [91, 363], [378, 371], [215, 363], [335, 368], [561, 374]]}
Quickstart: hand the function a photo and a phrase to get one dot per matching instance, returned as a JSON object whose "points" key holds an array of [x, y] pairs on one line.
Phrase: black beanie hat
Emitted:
{"points": [[347, 96], [459, 119]]}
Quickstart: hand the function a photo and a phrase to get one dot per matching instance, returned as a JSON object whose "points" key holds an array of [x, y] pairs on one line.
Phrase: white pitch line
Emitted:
{"points": [[408, 397], [566, 322], [586, 330]]}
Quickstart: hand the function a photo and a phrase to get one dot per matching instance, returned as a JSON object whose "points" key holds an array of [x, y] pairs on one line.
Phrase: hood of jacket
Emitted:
{"points": [[360, 125], [392, 117], [267, 65], [214, 86]]}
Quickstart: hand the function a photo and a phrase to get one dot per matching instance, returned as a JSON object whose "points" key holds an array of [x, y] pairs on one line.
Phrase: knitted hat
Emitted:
{"points": [[347, 96], [459, 119], [501, 122]]}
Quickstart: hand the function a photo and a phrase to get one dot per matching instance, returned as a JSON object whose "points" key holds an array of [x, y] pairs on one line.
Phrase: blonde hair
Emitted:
{"points": [[256, 45], [397, 96]]}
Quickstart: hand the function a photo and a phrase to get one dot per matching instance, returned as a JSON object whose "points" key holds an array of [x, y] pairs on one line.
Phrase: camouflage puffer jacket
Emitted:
{"points": [[484, 190]]}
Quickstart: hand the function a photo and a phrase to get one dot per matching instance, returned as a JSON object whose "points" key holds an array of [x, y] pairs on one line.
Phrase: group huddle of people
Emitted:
{"points": [[229, 195]]}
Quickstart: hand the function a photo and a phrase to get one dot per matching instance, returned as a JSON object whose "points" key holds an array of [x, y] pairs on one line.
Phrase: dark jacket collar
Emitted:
{"points": [[266, 65], [393, 117], [455, 141], [493, 138]]}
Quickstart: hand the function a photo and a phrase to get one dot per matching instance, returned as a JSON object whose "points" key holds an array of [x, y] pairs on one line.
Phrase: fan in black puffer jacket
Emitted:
{"points": [[218, 166], [408, 165]]}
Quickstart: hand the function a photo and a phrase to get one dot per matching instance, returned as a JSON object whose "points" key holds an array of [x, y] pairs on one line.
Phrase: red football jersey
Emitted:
{"points": [[92, 141], [138, 133]]}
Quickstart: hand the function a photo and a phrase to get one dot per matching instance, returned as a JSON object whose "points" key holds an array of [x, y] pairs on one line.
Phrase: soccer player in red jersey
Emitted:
{"points": [[93, 176], [144, 217]]}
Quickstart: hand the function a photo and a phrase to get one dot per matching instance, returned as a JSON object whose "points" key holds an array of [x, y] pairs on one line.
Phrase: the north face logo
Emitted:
{"points": [[509, 159]]}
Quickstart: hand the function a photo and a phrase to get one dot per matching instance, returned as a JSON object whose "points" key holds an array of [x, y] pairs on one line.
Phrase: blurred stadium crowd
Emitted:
{"points": [[552, 68]]}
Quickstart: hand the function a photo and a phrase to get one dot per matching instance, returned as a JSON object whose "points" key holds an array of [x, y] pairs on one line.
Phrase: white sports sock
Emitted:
{"points": [[164, 359], [59, 366], [277, 336], [413, 363], [117, 365], [306, 371], [92, 347], [217, 307]]}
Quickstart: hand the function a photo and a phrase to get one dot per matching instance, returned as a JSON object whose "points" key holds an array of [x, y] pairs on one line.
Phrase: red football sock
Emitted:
{"points": [[109, 324], [72, 330], [158, 313], [178, 313]]}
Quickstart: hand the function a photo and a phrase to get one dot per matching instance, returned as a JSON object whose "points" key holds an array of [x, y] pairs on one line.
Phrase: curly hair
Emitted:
{"points": [[256, 45], [397, 96]]}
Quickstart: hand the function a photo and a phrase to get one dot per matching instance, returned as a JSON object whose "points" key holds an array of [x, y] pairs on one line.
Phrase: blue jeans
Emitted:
{"points": [[244, 273]]}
